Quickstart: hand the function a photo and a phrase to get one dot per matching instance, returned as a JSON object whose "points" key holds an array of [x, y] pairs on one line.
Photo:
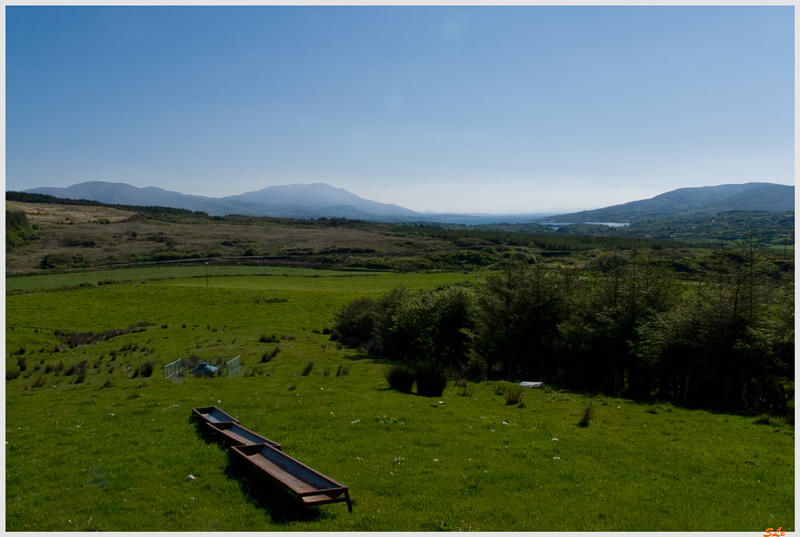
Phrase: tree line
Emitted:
{"points": [[625, 326]]}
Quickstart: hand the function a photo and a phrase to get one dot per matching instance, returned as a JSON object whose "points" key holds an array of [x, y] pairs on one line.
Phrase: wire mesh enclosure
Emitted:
{"points": [[194, 366]]}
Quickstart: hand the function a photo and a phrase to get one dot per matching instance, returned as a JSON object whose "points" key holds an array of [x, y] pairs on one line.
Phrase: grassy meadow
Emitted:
{"points": [[111, 449]]}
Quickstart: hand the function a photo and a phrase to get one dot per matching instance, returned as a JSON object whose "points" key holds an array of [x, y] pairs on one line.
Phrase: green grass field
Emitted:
{"points": [[112, 453]]}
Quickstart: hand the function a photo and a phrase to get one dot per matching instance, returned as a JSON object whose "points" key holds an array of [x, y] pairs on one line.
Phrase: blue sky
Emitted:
{"points": [[464, 109]]}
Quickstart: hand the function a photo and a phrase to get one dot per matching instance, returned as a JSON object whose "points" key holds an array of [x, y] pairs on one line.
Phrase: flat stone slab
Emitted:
{"points": [[526, 384]]}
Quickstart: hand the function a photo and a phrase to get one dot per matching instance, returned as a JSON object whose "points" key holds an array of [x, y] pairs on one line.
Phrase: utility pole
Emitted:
{"points": [[206, 275]]}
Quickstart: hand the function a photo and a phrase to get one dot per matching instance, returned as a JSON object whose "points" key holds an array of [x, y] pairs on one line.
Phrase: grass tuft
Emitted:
{"points": [[514, 395], [399, 378], [431, 380], [763, 419], [308, 368], [587, 414]]}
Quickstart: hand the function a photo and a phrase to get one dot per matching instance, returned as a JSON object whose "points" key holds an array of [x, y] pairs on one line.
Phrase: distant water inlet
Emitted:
{"points": [[556, 225]]}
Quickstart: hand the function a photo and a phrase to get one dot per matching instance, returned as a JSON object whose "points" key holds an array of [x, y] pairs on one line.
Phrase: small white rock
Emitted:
{"points": [[190, 477]]}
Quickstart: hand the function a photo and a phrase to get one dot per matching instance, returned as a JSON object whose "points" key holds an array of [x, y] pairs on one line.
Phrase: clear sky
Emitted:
{"points": [[464, 109]]}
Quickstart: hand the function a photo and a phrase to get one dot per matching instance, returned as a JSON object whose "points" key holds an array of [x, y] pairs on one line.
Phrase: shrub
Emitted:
{"points": [[38, 383], [327, 331], [587, 414], [500, 388], [11, 375], [431, 380], [399, 378], [326, 371], [514, 395], [342, 370], [307, 370], [289, 337], [268, 339], [23, 363]]}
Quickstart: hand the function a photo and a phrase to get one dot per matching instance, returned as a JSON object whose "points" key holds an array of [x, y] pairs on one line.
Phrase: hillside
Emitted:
{"points": [[693, 202]]}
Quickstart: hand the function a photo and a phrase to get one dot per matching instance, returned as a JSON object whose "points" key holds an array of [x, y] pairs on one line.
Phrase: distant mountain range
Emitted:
{"points": [[697, 201], [319, 200], [289, 201]]}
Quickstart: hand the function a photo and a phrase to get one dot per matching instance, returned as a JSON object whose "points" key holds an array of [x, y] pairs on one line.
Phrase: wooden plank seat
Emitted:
{"points": [[310, 486], [238, 435], [212, 414]]}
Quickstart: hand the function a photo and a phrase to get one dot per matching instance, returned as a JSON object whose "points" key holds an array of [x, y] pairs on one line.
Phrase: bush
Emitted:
{"points": [[431, 380], [399, 378], [342, 370], [11, 375], [307, 370], [326, 371], [268, 339], [38, 383], [500, 388]]}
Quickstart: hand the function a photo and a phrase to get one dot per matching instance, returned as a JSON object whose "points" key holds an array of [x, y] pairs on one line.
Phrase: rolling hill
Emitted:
{"points": [[696, 201]]}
